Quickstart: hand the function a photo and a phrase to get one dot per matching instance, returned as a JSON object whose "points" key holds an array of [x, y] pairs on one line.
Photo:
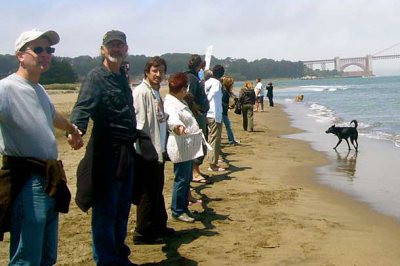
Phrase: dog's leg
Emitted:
{"points": [[348, 145], [356, 147], [340, 141]]}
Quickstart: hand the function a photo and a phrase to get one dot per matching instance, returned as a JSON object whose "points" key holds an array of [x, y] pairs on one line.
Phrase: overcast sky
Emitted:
{"points": [[282, 29]]}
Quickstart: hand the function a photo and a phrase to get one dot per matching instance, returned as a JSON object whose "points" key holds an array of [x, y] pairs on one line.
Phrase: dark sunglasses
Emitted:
{"points": [[39, 50]]}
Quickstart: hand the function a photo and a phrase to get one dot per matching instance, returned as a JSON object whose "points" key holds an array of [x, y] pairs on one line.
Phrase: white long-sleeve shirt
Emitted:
{"points": [[213, 89]]}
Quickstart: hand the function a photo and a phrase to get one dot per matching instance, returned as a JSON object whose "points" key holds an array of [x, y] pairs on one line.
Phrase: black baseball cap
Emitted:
{"points": [[114, 35]]}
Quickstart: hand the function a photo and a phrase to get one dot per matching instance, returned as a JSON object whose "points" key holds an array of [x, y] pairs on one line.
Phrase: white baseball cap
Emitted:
{"points": [[31, 35]]}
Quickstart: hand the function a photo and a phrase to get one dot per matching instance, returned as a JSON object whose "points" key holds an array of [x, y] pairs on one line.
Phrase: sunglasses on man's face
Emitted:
{"points": [[39, 50]]}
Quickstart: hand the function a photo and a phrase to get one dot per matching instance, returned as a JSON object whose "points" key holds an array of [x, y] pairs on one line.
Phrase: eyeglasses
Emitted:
{"points": [[117, 44], [39, 50]]}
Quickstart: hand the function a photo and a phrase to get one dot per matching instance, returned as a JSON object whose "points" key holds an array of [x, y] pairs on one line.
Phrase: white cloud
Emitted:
{"points": [[286, 29]]}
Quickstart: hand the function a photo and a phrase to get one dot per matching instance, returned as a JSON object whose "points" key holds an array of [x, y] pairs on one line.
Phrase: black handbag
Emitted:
{"points": [[238, 109]]}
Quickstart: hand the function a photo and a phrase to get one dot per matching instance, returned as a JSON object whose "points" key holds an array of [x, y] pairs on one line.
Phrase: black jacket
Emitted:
{"points": [[247, 96], [196, 88], [269, 90], [106, 98]]}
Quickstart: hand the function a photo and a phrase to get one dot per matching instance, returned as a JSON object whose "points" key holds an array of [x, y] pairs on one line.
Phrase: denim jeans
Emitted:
{"points": [[229, 131], [110, 212], [34, 226], [183, 174]]}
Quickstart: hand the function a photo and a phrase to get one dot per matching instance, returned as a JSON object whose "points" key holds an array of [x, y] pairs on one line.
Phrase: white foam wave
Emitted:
{"points": [[379, 135], [320, 88], [321, 113]]}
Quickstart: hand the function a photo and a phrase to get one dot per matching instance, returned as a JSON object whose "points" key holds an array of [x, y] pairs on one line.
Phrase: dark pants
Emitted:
{"points": [[271, 102], [247, 113], [110, 212], [202, 121], [151, 215]]}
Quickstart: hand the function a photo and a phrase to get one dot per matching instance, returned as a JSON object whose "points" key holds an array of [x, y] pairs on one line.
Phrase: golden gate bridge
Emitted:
{"points": [[364, 62]]}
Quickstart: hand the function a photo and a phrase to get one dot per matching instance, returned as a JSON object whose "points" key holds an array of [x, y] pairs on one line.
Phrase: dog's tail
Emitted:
{"points": [[355, 123]]}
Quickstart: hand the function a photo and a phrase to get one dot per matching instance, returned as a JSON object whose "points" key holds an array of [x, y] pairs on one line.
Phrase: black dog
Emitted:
{"points": [[345, 133]]}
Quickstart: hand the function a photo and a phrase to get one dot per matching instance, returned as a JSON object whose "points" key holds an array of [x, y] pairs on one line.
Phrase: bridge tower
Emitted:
{"points": [[337, 64], [368, 65]]}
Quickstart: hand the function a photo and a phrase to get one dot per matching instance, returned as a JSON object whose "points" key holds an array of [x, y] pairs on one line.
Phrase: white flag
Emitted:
{"points": [[208, 56]]}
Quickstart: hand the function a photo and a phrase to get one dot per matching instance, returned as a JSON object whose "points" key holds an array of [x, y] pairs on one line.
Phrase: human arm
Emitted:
{"points": [[212, 87], [140, 104], [174, 122], [87, 102], [73, 134]]}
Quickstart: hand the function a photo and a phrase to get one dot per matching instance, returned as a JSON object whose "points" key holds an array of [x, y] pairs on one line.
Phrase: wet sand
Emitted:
{"points": [[268, 209]]}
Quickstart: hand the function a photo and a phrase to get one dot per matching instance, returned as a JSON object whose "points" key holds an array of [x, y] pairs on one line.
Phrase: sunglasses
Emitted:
{"points": [[39, 50]]}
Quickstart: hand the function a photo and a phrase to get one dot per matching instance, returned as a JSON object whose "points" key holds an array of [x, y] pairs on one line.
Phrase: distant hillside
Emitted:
{"points": [[240, 69]]}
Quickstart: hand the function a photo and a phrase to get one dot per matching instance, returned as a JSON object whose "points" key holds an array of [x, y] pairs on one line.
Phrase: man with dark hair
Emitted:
{"points": [[196, 88], [151, 215], [32, 181], [213, 90], [106, 98]]}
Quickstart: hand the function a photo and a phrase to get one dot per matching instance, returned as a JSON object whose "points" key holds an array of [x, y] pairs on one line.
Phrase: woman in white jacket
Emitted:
{"points": [[184, 144]]}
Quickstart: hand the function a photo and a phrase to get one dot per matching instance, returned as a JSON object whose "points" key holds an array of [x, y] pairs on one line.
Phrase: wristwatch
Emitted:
{"points": [[76, 131]]}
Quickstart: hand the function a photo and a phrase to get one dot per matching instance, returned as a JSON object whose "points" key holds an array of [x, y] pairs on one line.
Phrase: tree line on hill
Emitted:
{"points": [[70, 70]]}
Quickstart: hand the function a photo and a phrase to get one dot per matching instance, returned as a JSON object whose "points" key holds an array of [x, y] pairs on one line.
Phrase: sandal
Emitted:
{"points": [[216, 169], [205, 176], [193, 200], [200, 179]]}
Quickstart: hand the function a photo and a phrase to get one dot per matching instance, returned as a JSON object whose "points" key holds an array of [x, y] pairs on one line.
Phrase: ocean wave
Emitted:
{"points": [[320, 88], [321, 113], [379, 135]]}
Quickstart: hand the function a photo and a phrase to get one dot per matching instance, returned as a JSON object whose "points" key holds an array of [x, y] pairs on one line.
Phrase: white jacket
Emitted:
{"points": [[188, 146]]}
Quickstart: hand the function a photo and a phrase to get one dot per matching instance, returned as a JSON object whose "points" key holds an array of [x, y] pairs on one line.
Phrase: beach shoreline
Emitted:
{"points": [[268, 209]]}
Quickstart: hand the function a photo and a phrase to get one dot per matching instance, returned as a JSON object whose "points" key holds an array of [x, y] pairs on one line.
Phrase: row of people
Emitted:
{"points": [[125, 155]]}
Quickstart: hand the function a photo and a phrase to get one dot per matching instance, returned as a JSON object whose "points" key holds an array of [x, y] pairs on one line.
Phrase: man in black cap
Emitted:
{"points": [[105, 174]]}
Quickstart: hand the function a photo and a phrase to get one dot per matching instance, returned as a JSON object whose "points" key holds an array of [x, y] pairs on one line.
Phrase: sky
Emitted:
{"points": [[294, 30]]}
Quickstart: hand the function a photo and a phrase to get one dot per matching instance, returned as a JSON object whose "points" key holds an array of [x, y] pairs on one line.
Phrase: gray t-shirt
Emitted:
{"points": [[26, 119]]}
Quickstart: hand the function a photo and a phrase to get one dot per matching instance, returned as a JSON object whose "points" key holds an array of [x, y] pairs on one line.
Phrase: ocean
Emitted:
{"points": [[373, 174]]}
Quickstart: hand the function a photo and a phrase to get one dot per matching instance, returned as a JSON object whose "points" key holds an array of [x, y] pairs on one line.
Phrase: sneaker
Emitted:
{"points": [[235, 143], [184, 217]]}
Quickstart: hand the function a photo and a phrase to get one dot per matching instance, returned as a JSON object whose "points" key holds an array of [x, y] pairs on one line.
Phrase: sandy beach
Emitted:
{"points": [[268, 209]]}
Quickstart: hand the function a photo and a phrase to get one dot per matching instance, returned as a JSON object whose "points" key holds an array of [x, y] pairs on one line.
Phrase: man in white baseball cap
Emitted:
{"points": [[31, 35], [33, 184]]}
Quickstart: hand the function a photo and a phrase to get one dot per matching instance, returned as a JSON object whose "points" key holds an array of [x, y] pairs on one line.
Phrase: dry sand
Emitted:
{"points": [[266, 210]]}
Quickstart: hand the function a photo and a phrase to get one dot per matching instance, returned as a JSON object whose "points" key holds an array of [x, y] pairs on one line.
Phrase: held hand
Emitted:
{"points": [[179, 130], [75, 140]]}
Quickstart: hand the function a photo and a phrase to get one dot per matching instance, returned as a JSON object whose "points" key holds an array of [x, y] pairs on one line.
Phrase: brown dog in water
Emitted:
{"points": [[299, 98]]}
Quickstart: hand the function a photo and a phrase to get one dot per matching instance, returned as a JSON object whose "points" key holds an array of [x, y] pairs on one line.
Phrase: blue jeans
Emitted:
{"points": [[229, 132], [110, 212], [183, 174], [34, 226]]}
